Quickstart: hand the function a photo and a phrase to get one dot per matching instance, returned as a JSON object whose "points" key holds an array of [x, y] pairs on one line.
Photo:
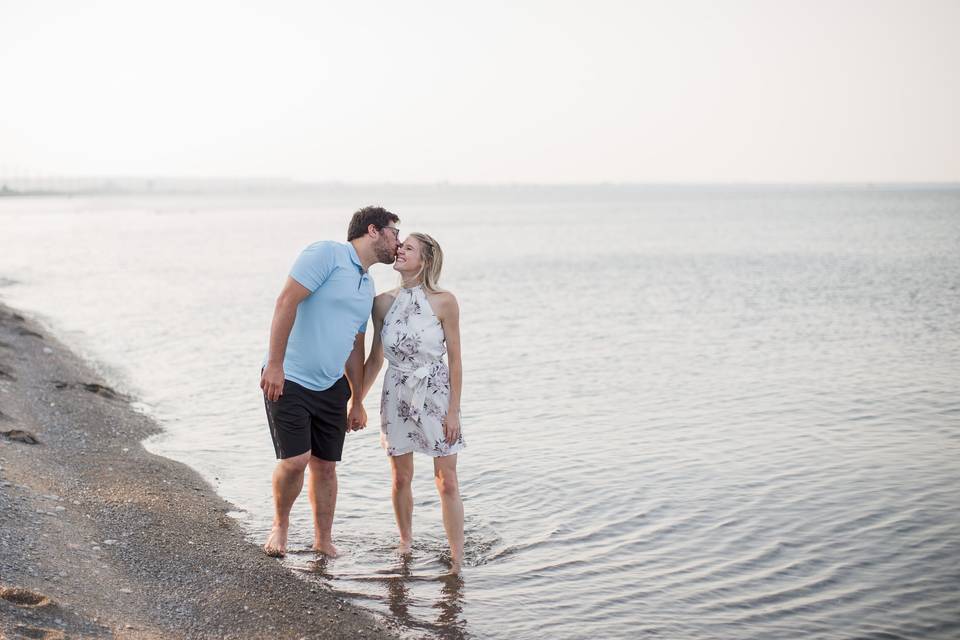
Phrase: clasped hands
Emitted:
{"points": [[356, 416]]}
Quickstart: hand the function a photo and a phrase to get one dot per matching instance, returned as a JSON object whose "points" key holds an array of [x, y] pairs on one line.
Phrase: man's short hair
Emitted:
{"points": [[362, 219]]}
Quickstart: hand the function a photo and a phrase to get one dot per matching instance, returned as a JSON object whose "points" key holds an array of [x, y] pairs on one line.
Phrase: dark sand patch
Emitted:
{"points": [[6, 314]]}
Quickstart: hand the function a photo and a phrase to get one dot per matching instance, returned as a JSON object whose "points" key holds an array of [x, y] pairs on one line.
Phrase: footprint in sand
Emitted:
{"points": [[40, 633], [24, 598], [19, 435], [100, 390], [92, 387]]}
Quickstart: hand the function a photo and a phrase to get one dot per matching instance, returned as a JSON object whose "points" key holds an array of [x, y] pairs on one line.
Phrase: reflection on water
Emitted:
{"points": [[690, 414], [448, 603], [410, 596], [450, 608]]}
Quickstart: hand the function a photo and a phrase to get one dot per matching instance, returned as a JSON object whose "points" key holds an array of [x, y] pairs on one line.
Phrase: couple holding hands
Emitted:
{"points": [[314, 378]]}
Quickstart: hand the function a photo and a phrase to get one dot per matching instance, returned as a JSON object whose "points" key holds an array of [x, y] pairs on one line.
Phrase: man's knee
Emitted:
{"points": [[294, 464], [320, 468]]}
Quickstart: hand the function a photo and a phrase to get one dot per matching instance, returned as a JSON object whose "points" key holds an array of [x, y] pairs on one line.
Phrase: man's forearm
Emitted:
{"points": [[355, 378], [354, 371]]}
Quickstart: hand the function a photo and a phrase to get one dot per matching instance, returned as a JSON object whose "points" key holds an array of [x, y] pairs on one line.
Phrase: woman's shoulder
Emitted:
{"points": [[386, 295], [442, 300]]}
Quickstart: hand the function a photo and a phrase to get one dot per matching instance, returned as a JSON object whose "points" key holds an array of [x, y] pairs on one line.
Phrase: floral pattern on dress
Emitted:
{"points": [[416, 387]]}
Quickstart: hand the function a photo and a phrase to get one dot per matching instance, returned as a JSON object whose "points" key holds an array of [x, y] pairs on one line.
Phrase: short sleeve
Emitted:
{"points": [[314, 265]]}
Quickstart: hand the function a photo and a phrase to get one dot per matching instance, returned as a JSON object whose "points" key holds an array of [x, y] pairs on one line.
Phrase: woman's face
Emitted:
{"points": [[408, 256]]}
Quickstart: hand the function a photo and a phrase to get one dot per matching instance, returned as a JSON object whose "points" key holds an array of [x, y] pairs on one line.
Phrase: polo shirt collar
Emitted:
{"points": [[355, 257]]}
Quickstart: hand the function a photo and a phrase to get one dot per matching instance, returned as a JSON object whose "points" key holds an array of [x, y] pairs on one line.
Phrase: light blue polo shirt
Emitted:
{"points": [[329, 318]]}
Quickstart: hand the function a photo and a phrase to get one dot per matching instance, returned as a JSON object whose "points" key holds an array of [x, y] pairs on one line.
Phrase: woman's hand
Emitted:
{"points": [[451, 428]]}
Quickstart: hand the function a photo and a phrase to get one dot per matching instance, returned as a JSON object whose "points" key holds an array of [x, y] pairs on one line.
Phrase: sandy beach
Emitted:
{"points": [[99, 538]]}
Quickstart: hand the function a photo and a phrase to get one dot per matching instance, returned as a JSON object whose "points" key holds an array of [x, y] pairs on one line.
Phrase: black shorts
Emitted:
{"points": [[305, 420]]}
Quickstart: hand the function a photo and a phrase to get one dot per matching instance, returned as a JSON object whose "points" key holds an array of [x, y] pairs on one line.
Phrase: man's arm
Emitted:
{"points": [[356, 414], [284, 314]]}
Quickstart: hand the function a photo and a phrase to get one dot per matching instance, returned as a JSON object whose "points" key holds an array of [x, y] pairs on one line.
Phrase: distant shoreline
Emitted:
{"points": [[104, 187]]}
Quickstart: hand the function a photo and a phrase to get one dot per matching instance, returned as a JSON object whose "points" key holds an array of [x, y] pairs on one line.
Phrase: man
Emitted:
{"points": [[316, 335]]}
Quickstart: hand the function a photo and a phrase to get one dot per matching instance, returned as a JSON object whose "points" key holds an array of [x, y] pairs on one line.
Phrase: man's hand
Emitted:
{"points": [[451, 428], [356, 416], [271, 381]]}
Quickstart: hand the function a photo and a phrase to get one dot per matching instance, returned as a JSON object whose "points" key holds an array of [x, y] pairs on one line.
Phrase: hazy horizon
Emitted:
{"points": [[174, 185]]}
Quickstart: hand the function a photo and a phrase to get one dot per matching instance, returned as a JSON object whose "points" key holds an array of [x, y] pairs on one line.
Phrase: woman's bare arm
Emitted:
{"points": [[449, 315]]}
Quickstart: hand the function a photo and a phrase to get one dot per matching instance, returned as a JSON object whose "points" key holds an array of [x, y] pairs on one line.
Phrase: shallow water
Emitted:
{"points": [[689, 413]]}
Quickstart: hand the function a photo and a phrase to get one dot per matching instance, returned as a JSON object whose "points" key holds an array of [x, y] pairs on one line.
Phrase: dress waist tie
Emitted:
{"points": [[413, 389]]}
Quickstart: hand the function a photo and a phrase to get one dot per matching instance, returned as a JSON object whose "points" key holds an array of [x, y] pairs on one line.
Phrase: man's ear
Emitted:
{"points": [[372, 230]]}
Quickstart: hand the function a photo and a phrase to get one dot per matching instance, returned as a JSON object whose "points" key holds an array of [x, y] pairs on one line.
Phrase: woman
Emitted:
{"points": [[415, 325]]}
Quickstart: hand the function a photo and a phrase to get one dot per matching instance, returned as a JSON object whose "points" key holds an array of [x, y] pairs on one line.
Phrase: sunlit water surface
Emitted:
{"points": [[689, 414]]}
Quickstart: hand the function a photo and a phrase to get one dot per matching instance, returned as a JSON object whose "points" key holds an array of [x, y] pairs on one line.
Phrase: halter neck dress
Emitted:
{"points": [[416, 387]]}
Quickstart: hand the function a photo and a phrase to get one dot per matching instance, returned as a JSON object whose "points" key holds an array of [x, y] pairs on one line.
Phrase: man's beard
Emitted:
{"points": [[384, 254]]}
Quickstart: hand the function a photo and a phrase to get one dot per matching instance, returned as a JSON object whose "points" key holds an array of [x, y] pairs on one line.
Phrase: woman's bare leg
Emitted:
{"points": [[445, 475], [403, 498]]}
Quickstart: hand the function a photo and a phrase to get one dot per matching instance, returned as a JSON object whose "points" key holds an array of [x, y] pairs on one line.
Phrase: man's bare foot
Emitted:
{"points": [[405, 547], [326, 548], [276, 544]]}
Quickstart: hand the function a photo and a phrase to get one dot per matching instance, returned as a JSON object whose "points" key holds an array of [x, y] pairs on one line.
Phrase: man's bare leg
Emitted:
{"points": [[323, 498], [287, 482], [403, 498], [445, 476]]}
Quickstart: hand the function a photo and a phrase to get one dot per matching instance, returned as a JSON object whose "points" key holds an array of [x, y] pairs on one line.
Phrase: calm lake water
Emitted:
{"points": [[692, 414]]}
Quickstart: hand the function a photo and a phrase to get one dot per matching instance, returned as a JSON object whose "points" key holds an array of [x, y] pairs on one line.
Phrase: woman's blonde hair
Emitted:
{"points": [[431, 257]]}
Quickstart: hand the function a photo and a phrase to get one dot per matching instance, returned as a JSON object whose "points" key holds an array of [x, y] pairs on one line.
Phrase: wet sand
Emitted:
{"points": [[101, 539]]}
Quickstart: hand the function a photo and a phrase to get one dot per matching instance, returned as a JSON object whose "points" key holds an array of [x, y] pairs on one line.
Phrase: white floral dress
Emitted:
{"points": [[416, 387]]}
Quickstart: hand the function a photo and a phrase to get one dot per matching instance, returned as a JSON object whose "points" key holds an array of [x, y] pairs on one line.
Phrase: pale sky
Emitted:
{"points": [[519, 91]]}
